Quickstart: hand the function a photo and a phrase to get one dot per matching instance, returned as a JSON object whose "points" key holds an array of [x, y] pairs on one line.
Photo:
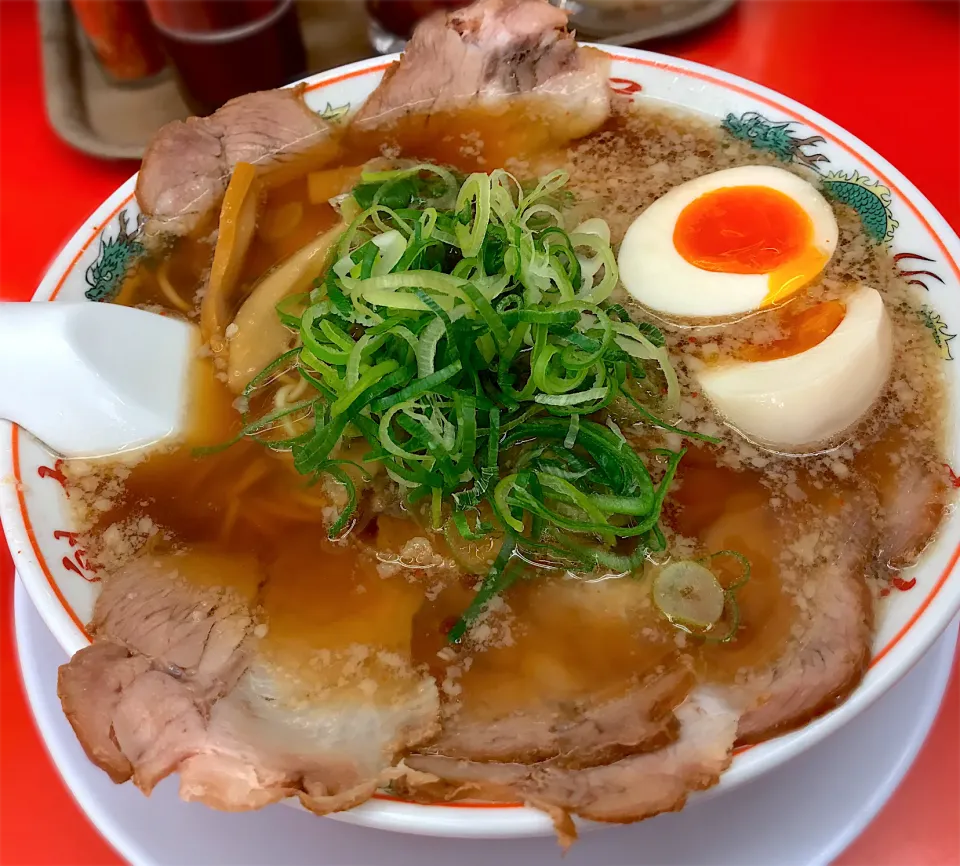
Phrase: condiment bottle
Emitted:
{"points": [[121, 37], [224, 48]]}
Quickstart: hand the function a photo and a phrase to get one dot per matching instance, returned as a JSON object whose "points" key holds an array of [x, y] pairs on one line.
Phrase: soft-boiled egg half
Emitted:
{"points": [[816, 382], [728, 243]]}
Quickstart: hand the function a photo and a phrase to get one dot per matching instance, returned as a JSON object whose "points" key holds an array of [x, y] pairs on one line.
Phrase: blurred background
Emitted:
{"points": [[116, 70]]}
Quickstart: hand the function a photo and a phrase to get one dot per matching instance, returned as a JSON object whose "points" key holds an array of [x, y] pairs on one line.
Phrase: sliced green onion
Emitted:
{"points": [[392, 246], [371, 377], [468, 534], [500, 495], [500, 576], [689, 594], [415, 389], [466, 335], [474, 194], [350, 509], [572, 399]]}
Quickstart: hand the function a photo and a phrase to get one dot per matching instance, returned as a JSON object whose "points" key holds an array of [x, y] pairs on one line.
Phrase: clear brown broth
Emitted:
{"points": [[552, 640]]}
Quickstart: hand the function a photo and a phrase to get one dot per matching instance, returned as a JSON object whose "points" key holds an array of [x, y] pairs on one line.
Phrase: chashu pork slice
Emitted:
{"points": [[622, 791], [819, 661], [574, 732], [828, 647], [188, 163], [179, 679], [491, 50], [824, 660], [587, 678], [912, 487]]}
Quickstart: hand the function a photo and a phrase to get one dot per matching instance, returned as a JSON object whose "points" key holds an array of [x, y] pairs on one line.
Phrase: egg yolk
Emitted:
{"points": [[750, 230], [803, 329]]}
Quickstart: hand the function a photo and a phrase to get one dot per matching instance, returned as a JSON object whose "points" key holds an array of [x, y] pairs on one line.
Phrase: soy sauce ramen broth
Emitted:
{"points": [[392, 585]]}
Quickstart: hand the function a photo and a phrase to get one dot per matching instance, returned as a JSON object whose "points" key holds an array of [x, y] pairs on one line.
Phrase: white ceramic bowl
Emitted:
{"points": [[34, 511]]}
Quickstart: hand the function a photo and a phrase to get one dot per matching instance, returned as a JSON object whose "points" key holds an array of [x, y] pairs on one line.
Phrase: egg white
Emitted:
{"points": [[809, 398], [656, 275]]}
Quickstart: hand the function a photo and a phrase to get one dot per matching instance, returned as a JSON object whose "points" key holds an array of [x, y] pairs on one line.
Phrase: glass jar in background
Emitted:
{"points": [[121, 37], [225, 48], [392, 21], [630, 22]]}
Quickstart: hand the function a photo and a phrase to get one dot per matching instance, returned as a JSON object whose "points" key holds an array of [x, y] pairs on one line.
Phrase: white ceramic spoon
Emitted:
{"points": [[93, 379]]}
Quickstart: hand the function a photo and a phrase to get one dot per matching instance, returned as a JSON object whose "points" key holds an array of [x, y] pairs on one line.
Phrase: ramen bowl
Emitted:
{"points": [[922, 600]]}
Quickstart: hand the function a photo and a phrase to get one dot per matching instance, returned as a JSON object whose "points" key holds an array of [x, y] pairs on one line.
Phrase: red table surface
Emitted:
{"points": [[887, 71]]}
